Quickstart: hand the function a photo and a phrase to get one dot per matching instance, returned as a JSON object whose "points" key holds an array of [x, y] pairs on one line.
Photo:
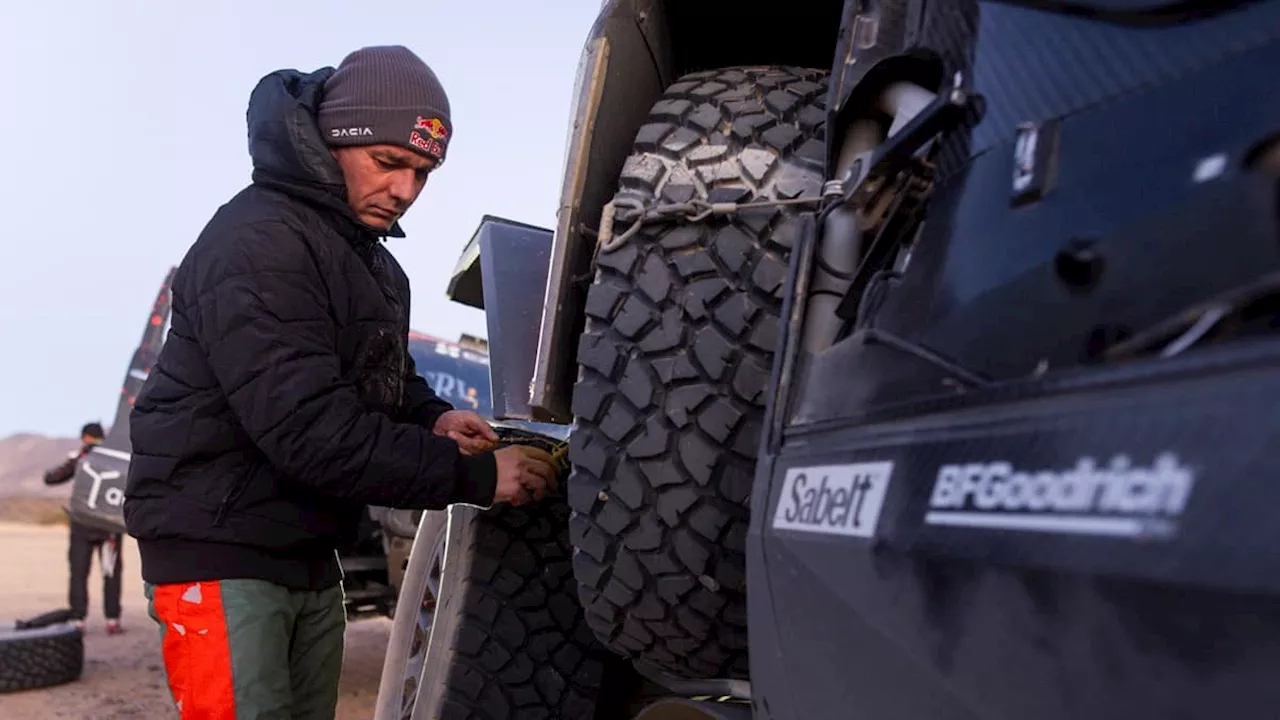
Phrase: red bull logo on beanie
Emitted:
{"points": [[430, 146], [433, 127]]}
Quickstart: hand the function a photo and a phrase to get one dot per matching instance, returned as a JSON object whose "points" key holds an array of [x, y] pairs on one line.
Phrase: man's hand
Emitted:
{"points": [[524, 474], [468, 429]]}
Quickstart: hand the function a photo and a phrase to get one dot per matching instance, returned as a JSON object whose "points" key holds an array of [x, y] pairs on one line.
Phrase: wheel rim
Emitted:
{"points": [[412, 675], [417, 658], [437, 567]]}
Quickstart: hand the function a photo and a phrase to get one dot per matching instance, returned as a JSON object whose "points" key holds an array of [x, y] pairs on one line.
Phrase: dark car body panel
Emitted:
{"points": [[916, 549]]}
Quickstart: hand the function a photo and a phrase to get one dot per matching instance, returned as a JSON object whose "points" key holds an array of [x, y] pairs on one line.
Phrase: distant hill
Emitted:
{"points": [[24, 497], [24, 458]]}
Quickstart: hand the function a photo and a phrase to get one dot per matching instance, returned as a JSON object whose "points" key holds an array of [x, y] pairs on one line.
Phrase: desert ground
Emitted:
{"points": [[123, 678]]}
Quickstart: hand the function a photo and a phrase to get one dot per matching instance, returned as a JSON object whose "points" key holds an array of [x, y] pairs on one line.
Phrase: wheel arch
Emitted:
{"points": [[635, 49]]}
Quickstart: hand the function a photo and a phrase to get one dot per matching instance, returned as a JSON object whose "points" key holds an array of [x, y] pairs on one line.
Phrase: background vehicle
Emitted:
{"points": [[943, 332]]}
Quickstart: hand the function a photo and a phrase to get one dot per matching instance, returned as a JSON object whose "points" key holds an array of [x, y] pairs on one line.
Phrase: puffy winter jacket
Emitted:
{"points": [[284, 399]]}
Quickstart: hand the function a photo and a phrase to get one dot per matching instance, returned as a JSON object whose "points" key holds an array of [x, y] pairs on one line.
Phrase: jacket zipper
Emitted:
{"points": [[224, 508]]}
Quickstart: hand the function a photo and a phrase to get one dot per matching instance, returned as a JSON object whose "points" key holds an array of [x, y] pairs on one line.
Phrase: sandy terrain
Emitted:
{"points": [[123, 678]]}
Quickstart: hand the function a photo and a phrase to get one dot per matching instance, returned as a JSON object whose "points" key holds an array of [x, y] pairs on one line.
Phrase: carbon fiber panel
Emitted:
{"points": [[1030, 65]]}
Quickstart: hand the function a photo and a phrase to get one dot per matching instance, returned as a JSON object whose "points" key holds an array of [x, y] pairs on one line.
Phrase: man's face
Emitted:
{"points": [[382, 181], [88, 439]]}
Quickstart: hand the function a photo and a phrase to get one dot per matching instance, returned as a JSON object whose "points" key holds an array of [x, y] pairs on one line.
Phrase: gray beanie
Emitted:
{"points": [[386, 95]]}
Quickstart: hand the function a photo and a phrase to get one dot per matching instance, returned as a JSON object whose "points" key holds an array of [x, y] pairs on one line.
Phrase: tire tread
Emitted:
{"points": [[40, 658], [674, 363], [509, 638]]}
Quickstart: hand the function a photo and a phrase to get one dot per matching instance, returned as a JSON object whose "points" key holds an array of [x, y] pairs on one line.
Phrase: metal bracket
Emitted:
{"points": [[873, 171]]}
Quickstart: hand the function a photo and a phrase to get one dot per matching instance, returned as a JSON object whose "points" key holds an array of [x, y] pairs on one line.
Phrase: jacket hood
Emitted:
{"points": [[285, 144]]}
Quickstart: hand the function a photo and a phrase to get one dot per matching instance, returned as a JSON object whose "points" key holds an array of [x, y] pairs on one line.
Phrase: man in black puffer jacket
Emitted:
{"points": [[285, 399]]}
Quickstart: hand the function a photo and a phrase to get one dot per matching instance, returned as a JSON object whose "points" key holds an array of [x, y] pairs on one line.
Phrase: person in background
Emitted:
{"points": [[85, 541]]}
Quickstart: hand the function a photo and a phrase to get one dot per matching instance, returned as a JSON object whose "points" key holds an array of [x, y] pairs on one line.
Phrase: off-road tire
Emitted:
{"points": [[682, 325], [509, 639], [40, 657]]}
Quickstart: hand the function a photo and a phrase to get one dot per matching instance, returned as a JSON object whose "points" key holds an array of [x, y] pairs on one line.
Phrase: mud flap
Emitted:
{"points": [[503, 271]]}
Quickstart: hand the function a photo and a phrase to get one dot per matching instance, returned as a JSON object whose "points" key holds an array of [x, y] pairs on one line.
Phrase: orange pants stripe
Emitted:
{"points": [[197, 650]]}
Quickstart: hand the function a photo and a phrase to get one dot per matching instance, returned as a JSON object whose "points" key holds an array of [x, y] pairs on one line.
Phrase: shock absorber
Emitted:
{"points": [[840, 245]]}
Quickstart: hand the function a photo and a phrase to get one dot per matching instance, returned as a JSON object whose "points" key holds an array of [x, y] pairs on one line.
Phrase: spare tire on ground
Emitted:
{"points": [[40, 652], [682, 325], [508, 639]]}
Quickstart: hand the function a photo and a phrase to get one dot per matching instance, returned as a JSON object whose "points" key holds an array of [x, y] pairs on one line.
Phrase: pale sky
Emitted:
{"points": [[123, 129]]}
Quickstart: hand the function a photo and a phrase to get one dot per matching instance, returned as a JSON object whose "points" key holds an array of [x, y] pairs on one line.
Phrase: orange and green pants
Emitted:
{"points": [[250, 649]]}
